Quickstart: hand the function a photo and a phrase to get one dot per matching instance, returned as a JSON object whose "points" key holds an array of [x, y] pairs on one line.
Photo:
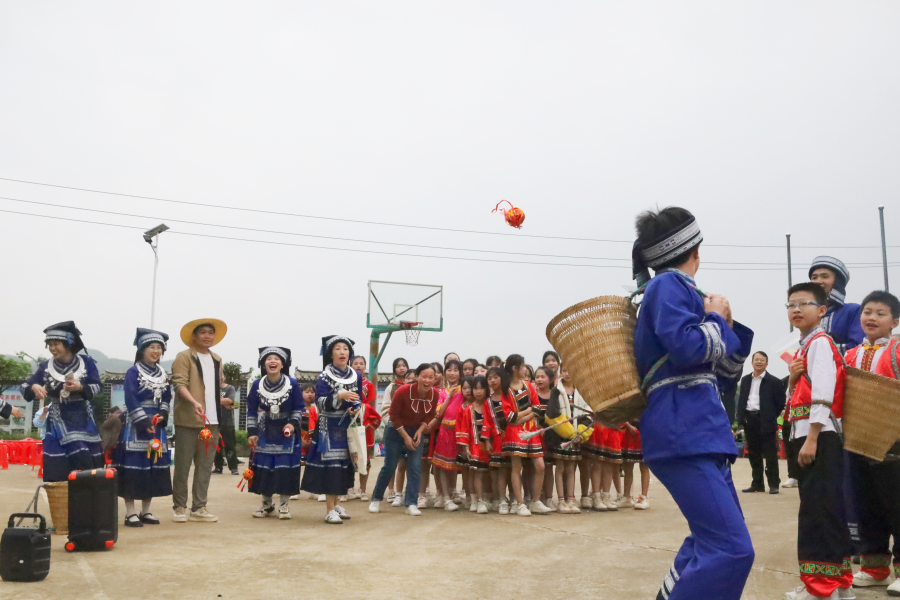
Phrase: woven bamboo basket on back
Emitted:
{"points": [[871, 413], [595, 340], [58, 499]]}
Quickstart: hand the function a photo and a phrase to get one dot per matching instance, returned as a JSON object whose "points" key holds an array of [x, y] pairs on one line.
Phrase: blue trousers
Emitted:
{"points": [[394, 448], [715, 559]]}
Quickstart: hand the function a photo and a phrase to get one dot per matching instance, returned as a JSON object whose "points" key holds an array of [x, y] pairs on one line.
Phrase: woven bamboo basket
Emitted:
{"points": [[595, 340], [871, 413], [58, 498]]}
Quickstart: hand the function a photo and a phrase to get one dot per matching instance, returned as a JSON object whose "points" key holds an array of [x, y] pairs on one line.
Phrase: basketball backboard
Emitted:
{"points": [[391, 302]]}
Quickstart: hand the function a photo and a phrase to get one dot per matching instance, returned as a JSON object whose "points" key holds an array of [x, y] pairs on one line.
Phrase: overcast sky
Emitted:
{"points": [[760, 117]]}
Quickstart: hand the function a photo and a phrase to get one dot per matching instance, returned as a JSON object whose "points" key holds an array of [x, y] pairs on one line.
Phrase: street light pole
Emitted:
{"points": [[883, 249], [151, 236]]}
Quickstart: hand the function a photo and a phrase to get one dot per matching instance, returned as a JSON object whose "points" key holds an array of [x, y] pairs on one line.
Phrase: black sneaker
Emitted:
{"points": [[234, 472], [217, 471], [752, 489], [773, 490]]}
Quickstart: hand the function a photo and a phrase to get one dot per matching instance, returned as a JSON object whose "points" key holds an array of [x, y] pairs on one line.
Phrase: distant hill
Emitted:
{"points": [[105, 363]]}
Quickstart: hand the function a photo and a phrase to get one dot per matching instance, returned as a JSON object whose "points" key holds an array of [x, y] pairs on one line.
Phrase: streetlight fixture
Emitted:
{"points": [[149, 236]]}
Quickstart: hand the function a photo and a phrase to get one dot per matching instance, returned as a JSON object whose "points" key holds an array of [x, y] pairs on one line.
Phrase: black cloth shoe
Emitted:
{"points": [[133, 521], [234, 472], [149, 519], [752, 489], [773, 490], [217, 471]]}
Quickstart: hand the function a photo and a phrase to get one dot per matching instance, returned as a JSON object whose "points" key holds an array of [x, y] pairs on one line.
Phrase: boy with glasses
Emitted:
{"points": [[815, 408], [876, 485]]}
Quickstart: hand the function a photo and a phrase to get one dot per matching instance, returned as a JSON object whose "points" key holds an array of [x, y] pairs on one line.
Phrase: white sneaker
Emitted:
{"points": [[284, 512], [264, 511], [180, 515], [413, 511], [514, 507], [607, 499], [473, 506], [564, 508], [459, 498], [333, 518], [364, 497], [202, 515], [573, 506], [587, 503], [623, 501], [790, 483], [495, 506], [343, 513], [390, 495], [800, 593], [523, 511], [553, 503], [295, 497], [482, 507], [598, 504], [398, 501], [439, 502], [375, 506], [503, 509], [894, 589], [539, 508], [343, 498], [847, 594], [450, 506], [321, 498], [422, 502], [863, 579], [642, 503]]}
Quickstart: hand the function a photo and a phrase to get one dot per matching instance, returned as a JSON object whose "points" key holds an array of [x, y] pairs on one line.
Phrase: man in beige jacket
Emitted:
{"points": [[198, 378]]}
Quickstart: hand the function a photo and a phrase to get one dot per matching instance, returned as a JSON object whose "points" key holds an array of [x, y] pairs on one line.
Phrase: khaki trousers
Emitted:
{"points": [[187, 452]]}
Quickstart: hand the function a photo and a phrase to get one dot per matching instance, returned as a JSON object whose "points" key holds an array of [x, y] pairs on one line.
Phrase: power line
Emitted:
{"points": [[515, 262], [361, 222], [344, 239]]}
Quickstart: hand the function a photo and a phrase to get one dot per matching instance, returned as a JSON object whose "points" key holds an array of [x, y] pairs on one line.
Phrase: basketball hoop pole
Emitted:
{"points": [[375, 352]]}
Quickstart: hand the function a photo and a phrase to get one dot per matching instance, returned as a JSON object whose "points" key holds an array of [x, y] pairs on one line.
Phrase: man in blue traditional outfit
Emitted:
{"points": [[688, 348], [841, 320], [67, 382]]}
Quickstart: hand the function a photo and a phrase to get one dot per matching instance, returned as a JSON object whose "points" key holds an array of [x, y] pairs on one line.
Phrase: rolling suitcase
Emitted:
{"points": [[93, 510], [25, 551]]}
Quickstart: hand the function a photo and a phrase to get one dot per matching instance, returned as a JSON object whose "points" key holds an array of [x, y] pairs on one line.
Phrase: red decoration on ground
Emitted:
{"points": [[514, 216]]}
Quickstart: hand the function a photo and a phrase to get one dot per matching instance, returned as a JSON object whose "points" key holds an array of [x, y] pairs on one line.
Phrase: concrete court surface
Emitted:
{"points": [[438, 556]]}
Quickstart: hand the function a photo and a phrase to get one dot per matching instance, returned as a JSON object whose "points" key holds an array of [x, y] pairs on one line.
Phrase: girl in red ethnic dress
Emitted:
{"points": [[474, 434], [519, 406]]}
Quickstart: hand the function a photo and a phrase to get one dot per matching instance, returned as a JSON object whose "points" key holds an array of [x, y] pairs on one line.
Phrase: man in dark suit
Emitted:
{"points": [[762, 400]]}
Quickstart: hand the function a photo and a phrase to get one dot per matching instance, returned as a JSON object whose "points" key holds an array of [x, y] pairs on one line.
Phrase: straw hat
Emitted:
{"points": [[187, 331]]}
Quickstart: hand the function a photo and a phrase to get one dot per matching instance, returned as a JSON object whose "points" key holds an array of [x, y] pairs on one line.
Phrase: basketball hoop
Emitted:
{"points": [[412, 334]]}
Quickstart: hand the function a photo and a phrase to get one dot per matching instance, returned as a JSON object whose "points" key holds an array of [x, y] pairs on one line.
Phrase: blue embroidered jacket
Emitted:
{"points": [[841, 322], [267, 416], [684, 414], [70, 419]]}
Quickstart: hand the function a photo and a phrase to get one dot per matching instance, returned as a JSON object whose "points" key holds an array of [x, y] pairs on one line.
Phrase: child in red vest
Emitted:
{"points": [[815, 408], [877, 484]]}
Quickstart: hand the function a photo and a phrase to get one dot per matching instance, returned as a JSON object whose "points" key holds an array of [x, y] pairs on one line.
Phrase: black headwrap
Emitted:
{"points": [[841, 277], [663, 249], [281, 352], [328, 343]]}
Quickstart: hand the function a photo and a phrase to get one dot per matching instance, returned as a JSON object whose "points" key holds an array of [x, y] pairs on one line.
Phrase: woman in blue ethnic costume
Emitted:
{"points": [[687, 349], [841, 319], [274, 409], [142, 464], [68, 382], [329, 468]]}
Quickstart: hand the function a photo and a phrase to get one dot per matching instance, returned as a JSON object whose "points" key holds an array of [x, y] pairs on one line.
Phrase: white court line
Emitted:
{"points": [[90, 578]]}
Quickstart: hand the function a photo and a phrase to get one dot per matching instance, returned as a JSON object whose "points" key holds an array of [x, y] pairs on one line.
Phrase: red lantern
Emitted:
{"points": [[248, 476], [514, 216], [205, 435]]}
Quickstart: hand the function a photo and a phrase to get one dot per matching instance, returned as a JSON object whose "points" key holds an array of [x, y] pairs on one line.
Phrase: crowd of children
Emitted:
{"points": [[492, 434]]}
